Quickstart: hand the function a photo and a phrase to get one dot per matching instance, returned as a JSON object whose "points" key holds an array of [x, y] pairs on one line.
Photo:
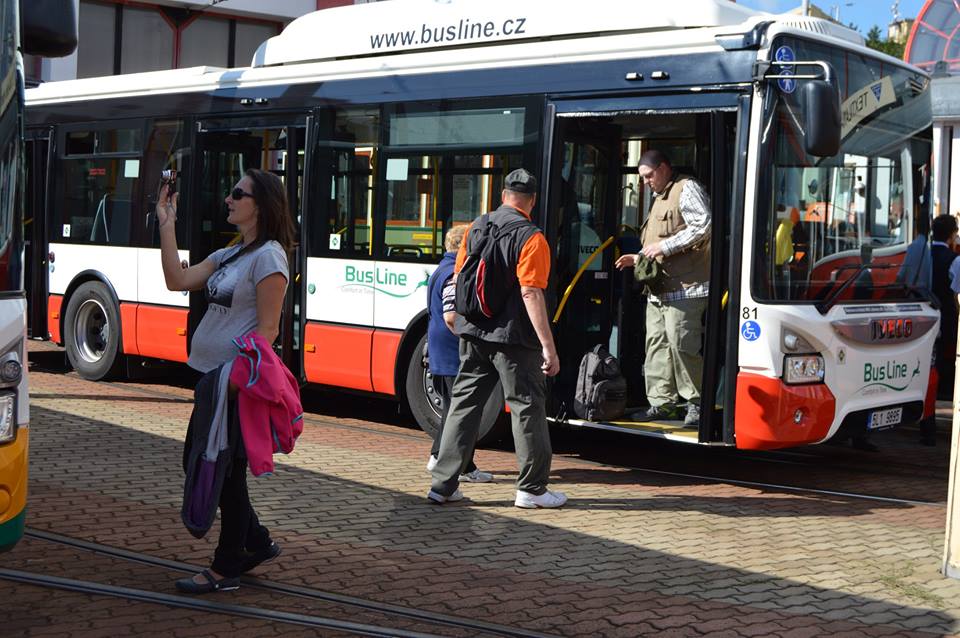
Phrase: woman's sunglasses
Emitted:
{"points": [[237, 194]]}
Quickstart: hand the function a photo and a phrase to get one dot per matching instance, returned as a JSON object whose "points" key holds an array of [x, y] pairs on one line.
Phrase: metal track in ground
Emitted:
{"points": [[181, 602], [293, 590]]}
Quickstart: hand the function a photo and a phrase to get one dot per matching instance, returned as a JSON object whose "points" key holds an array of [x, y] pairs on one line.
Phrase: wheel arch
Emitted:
{"points": [[411, 335], [81, 278]]}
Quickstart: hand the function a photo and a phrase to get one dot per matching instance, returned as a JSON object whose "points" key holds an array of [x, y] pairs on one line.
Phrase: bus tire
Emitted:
{"points": [[426, 405], [91, 332]]}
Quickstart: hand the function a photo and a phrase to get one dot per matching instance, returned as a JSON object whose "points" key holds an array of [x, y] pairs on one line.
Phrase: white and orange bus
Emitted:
{"points": [[392, 122]]}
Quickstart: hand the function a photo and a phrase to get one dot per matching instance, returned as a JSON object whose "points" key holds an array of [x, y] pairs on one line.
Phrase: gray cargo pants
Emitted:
{"points": [[482, 364]]}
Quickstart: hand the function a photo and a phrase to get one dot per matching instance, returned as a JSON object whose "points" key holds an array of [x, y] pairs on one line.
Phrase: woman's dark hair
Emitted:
{"points": [[274, 221]]}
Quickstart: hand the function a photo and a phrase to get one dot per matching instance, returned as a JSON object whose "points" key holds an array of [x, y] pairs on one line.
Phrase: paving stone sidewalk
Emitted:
{"points": [[630, 555]]}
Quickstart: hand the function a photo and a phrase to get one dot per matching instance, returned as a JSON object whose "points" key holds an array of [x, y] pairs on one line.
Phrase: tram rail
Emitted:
{"points": [[431, 619]]}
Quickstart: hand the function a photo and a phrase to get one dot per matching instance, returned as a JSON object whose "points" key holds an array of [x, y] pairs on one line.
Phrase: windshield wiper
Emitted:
{"points": [[866, 263]]}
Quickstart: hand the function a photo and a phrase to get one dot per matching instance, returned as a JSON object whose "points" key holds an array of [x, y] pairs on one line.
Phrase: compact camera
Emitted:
{"points": [[169, 177]]}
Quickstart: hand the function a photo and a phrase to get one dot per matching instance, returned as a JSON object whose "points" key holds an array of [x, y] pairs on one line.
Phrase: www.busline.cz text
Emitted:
{"points": [[446, 34]]}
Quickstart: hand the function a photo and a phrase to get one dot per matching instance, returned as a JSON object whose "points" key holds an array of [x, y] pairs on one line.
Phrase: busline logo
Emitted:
{"points": [[465, 30], [891, 374], [382, 280]]}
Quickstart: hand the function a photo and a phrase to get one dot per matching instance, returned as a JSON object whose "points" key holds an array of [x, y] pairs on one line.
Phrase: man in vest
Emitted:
{"points": [[676, 234], [515, 347]]}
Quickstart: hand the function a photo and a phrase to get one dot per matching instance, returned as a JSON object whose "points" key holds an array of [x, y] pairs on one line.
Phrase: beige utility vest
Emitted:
{"points": [[683, 269]]}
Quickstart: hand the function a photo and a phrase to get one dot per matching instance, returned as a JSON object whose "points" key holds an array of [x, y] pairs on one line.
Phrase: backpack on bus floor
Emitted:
{"points": [[487, 278], [601, 393]]}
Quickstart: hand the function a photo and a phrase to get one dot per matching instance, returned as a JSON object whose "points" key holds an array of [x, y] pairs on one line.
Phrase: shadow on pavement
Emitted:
{"points": [[359, 538]]}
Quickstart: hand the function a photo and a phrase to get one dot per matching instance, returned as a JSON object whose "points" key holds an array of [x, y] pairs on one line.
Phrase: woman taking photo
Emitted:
{"points": [[245, 287]]}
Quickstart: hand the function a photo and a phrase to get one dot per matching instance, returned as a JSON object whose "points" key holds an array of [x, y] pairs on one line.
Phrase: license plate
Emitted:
{"points": [[884, 418]]}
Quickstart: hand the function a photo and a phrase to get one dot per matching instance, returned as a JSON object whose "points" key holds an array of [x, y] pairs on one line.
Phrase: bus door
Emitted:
{"points": [[595, 194], [224, 153], [35, 231], [582, 219]]}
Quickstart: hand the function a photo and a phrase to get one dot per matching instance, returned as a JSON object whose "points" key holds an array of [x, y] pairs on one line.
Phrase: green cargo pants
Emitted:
{"points": [[673, 369]]}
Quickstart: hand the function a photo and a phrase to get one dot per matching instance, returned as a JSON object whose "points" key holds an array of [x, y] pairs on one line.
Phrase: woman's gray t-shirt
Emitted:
{"points": [[232, 296]]}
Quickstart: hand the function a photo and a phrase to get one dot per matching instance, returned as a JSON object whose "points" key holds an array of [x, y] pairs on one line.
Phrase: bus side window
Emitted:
{"points": [[444, 166], [100, 189], [344, 183]]}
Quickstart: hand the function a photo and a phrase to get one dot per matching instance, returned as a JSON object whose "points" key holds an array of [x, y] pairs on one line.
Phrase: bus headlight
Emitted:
{"points": [[805, 368], [11, 371], [8, 417]]}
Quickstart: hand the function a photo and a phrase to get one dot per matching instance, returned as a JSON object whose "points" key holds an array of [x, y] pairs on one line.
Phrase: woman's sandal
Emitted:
{"points": [[190, 586]]}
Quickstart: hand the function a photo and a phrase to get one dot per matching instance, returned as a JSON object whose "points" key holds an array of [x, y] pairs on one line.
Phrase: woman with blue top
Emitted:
{"points": [[443, 346]]}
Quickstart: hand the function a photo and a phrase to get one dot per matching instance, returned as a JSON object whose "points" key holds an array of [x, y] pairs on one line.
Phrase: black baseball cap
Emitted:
{"points": [[521, 181]]}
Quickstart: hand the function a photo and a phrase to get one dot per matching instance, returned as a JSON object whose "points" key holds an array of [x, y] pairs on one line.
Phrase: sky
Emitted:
{"points": [[863, 13]]}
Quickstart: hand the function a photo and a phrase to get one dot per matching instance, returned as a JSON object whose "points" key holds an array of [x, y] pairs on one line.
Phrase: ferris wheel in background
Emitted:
{"points": [[935, 36]]}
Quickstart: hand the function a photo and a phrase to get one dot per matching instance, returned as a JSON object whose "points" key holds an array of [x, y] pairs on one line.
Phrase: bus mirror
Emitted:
{"points": [[49, 27], [821, 118]]}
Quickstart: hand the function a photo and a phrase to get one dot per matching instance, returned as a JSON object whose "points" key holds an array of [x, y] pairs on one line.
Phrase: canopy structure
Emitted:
{"points": [[935, 36]]}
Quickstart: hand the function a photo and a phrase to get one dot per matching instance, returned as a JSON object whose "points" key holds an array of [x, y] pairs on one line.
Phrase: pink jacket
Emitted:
{"points": [[271, 417]]}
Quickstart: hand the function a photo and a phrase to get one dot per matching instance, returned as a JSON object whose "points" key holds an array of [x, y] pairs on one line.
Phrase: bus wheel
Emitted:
{"points": [[426, 405], [92, 332]]}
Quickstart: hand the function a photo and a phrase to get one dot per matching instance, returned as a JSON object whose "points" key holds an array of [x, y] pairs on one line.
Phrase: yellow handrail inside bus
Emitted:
{"points": [[576, 277], [723, 301]]}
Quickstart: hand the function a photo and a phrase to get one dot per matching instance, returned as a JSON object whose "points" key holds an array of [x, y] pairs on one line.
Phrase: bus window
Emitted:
{"points": [[345, 162], [100, 174], [412, 216], [164, 150], [452, 173], [477, 183]]}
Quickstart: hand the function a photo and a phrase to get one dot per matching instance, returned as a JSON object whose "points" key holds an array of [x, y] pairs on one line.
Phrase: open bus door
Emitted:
{"points": [[38, 153], [225, 150], [581, 217], [596, 206]]}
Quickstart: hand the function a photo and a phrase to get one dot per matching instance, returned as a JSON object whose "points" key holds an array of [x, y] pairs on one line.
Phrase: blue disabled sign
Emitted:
{"points": [[750, 330], [785, 54]]}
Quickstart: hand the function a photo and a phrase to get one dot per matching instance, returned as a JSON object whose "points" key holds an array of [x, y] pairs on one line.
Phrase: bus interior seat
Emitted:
{"points": [[404, 251]]}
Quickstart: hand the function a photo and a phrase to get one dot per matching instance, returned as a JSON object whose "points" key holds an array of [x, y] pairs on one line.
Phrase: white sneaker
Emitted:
{"points": [[476, 476], [548, 499], [440, 498], [431, 463]]}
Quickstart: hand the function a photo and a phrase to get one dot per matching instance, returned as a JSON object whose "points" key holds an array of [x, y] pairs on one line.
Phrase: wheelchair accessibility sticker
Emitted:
{"points": [[750, 330]]}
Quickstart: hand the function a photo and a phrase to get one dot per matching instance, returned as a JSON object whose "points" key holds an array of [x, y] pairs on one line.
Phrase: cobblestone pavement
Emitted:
{"points": [[630, 555]]}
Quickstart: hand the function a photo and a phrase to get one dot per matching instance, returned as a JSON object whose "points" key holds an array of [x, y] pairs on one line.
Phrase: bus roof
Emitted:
{"points": [[408, 25], [652, 33]]}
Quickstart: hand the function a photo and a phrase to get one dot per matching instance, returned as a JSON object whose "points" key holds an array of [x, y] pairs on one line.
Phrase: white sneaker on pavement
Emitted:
{"points": [[441, 499], [548, 499], [476, 476], [431, 463]]}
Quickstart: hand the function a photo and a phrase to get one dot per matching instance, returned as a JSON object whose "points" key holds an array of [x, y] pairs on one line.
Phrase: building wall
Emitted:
{"points": [[128, 36]]}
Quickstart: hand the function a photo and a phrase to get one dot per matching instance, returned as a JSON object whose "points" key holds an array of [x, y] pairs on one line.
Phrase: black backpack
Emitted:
{"points": [[601, 390], [487, 278]]}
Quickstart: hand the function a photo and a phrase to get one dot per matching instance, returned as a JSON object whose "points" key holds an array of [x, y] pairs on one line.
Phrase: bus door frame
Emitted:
{"points": [[220, 131], [606, 138], [716, 426], [41, 167]]}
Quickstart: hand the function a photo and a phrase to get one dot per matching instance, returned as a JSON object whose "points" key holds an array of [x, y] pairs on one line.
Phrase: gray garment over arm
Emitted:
{"points": [[232, 294]]}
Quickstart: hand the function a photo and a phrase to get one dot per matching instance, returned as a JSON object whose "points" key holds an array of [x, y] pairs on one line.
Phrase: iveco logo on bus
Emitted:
{"points": [[890, 329]]}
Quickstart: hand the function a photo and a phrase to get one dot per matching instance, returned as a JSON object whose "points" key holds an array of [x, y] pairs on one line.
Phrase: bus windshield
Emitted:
{"points": [[821, 221]]}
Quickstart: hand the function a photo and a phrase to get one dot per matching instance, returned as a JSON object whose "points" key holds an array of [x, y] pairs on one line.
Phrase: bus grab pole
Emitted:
{"points": [[951, 545]]}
